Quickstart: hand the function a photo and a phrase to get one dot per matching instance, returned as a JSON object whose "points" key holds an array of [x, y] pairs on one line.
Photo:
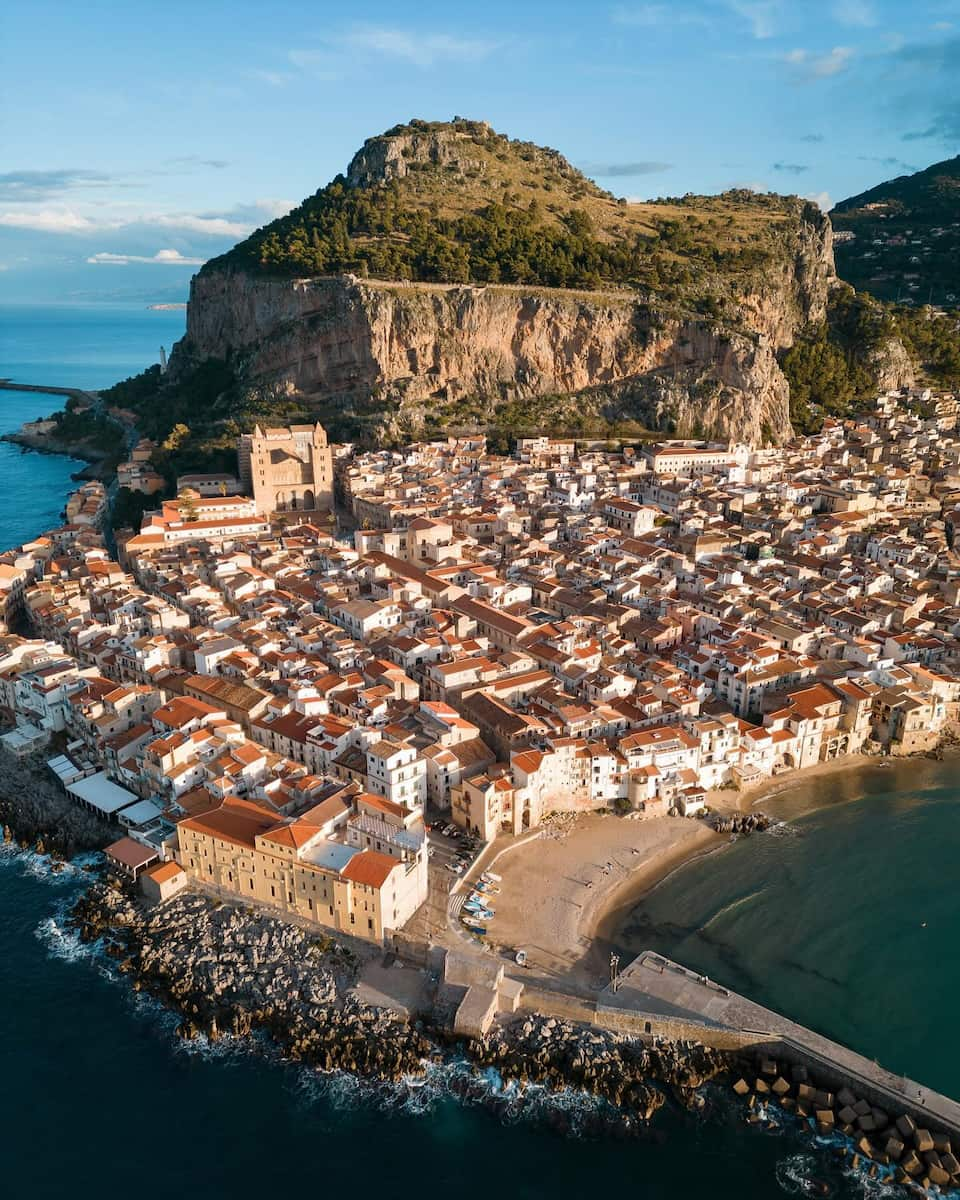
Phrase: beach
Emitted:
{"points": [[565, 893]]}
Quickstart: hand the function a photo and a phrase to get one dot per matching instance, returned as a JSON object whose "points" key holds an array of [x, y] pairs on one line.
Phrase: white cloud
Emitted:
{"points": [[760, 15], [422, 49], [47, 220], [820, 66], [858, 13], [651, 15], [274, 208], [822, 199], [208, 226], [167, 258], [276, 79]]}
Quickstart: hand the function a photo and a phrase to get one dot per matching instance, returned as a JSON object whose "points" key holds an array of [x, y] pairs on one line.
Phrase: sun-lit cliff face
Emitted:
{"points": [[661, 330]]}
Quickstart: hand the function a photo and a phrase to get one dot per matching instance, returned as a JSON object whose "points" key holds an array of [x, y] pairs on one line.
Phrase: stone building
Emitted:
{"points": [[288, 469]]}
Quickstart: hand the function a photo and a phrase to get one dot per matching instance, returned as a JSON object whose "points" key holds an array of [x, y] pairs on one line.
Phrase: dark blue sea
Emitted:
{"points": [[850, 923]]}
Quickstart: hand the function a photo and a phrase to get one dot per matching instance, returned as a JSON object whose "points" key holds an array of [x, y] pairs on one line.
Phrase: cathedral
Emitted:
{"points": [[287, 470]]}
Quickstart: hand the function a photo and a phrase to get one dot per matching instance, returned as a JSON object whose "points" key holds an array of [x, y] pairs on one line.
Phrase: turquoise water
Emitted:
{"points": [[98, 1097], [62, 347]]}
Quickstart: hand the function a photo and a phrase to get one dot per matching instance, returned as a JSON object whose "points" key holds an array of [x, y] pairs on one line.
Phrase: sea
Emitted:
{"points": [[89, 347], [846, 919]]}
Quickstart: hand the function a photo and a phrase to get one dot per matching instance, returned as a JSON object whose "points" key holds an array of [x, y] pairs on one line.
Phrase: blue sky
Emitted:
{"points": [[141, 138]]}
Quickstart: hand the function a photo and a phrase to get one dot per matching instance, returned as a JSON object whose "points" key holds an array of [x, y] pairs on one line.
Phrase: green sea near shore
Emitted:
{"points": [[846, 920]]}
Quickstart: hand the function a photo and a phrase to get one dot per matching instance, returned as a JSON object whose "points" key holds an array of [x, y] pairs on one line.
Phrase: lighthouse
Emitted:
{"points": [[163, 361]]}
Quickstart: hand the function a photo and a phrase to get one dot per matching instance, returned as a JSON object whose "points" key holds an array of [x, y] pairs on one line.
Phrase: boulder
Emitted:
{"points": [[761, 1087], [846, 1098], [825, 1118], [847, 1115], [910, 1163], [741, 1087], [824, 1099], [880, 1118], [780, 1087], [907, 1127], [806, 1093], [923, 1140], [938, 1176], [768, 1067], [867, 1123], [894, 1148], [941, 1143], [799, 1074], [950, 1163], [865, 1146], [861, 1108]]}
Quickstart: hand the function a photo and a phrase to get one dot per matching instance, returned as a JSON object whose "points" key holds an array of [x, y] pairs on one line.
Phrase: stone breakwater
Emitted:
{"points": [[918, 1158], [230, 971]]}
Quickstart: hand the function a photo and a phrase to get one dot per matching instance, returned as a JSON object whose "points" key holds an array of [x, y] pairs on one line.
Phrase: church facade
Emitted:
{"points": [[287, 469]]}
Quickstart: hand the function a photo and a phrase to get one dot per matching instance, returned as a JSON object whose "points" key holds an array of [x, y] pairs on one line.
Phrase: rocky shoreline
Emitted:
{"points": [[231, 971], [83, 450], [917, 1158], [36, 814]]}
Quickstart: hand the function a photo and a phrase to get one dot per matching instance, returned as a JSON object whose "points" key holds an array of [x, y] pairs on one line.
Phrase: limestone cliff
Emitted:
{"points": [[292, 307], [386, 350]]}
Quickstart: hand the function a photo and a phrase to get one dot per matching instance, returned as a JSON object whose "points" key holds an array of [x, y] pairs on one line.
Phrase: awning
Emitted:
{"points": [[101, 793]]}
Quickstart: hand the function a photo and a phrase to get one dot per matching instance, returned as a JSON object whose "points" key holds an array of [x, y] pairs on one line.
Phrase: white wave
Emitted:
{"points": [[64, 943], [40, 866], [796, 1175], [731, 906]]}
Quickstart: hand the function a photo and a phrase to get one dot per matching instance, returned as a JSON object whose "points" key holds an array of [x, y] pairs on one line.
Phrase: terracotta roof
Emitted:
{"points": [[163, 872], [237, 821], [130, 853], [369, 868]]}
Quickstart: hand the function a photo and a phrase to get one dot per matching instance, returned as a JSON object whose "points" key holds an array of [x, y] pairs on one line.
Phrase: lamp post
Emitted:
{"points": [[615, 972]]}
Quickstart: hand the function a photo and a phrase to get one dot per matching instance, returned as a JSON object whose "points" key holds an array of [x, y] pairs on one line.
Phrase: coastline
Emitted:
{"points": [[786, 798], [81, 452]]}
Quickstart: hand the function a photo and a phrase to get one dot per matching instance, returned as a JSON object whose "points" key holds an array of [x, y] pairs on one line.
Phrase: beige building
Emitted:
{"points": [[288, 469], [360, 869]]}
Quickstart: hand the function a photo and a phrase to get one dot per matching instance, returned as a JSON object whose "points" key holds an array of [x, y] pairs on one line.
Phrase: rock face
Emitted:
{"points": [[395, 350], [394, 156]]}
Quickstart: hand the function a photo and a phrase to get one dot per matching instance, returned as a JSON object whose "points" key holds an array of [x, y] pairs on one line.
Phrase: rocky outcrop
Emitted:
{"points": [[393, 156], [891, 365], [398, 351]]}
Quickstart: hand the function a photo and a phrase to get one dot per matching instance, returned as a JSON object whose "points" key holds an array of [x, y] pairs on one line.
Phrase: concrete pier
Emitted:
{"points": [[658, 997], [7, 385]]}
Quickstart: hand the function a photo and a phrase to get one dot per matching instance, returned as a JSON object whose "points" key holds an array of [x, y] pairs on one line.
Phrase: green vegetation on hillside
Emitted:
{"points": [[831, 370], [476, 207], [197, 419], [905, 243]]}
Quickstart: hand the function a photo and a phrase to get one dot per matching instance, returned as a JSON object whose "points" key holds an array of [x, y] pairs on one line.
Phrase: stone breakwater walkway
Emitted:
{"points": [[665, 996]]}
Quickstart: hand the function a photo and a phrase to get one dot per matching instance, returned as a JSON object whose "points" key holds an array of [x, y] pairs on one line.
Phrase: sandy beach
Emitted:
{"points": [[564, 893]]}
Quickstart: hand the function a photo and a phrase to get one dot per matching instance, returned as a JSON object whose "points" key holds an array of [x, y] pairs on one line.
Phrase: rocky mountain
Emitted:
{"points": [[901, 239], [454, 278]]}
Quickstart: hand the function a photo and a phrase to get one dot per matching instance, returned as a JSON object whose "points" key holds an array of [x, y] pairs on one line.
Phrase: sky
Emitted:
{"points": [[138, 139]]}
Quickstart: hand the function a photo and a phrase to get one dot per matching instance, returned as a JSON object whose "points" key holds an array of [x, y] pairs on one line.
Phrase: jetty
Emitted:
{"points": [[8, 385], [654, 996]]}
